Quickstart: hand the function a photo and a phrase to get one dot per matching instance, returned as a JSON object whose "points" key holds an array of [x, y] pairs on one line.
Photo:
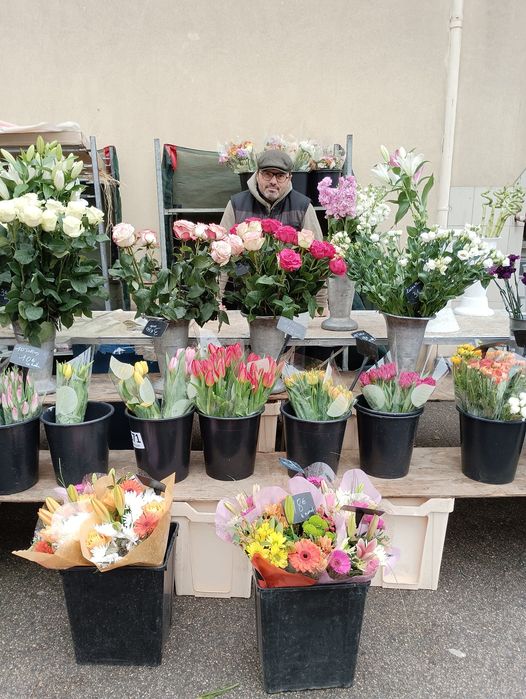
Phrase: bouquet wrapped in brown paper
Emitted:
{"points": [[108, 522]]}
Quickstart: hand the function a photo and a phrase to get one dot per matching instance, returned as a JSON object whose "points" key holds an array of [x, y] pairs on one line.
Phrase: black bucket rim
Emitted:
{"points": [[287, 403], [487, 419], [78, 424], [236, 417], [158, 419], [23, 422], [395, 416]]}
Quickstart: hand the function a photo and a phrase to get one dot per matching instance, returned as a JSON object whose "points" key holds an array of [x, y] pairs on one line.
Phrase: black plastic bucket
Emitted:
{"points": [[490, 449], [19, 456], [121, 617], [229, 445], [307, 441], [300, 182], [79, 449], [386, 440], [315, 177], [163, 446], [308, 637], [244, 178]]}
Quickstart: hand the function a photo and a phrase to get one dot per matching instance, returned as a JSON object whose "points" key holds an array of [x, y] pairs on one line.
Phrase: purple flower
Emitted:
{"points": [[340, 562], [340, 201]]}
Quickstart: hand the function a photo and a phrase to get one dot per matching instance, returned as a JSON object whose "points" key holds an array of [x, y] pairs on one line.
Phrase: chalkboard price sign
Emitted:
{"points": [[29, 357], [366, 344], [296, 328], [155, 328], [304, 507], [412, 293]]}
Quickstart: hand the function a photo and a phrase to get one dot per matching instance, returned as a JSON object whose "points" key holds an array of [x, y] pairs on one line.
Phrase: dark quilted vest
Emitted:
{"points": [[290, 210]]}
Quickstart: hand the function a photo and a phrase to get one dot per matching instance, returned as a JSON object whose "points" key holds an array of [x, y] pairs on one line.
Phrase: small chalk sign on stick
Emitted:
{"points": [[155, 327], [296, 327], [366, 344], [303, 505], [29, 357]]}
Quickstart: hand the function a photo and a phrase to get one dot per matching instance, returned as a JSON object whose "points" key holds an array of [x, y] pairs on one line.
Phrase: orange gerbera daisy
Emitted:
{"points": [[305, 557], [145, 524], [132, 485]]}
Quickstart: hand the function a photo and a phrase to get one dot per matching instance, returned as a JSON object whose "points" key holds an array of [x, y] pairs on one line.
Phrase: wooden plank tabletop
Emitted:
{"points": [[435, 473], [120, 327]]}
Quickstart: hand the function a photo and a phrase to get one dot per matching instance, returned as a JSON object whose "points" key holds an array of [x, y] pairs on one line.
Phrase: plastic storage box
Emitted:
{"points": [[308, 637], [205, 565], [121, 617], [268, 427], [417, 528]]}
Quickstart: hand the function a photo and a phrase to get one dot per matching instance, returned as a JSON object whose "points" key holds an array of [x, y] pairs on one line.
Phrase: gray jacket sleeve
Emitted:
{"points": [[311, 223], [229, 218]]}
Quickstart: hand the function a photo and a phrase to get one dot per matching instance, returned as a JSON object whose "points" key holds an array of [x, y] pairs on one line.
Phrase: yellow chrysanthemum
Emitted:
{"points": [[279, 559], [276, 539], [255, 547], [263, 532]]}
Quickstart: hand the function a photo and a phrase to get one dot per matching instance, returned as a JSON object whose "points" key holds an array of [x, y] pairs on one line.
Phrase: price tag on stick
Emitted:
{"points": [[304, 507], [155, 328], [366, 345]]}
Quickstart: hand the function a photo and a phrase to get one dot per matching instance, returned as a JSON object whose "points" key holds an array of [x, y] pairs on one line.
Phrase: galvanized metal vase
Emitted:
{"points": [[341, 295], [43, 378], [174, 337], [405, 336], [518, 330], [265, 338]]}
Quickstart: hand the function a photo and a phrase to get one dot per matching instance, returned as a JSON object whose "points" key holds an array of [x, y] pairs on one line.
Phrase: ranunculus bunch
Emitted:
{"points": [[226, 383], [279, 270], [491, 386], [388, 391], [189, 288], [47, 235]]}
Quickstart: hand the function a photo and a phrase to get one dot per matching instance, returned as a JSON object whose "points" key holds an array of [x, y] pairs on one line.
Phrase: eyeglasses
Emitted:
{"points": [[280, 176]]}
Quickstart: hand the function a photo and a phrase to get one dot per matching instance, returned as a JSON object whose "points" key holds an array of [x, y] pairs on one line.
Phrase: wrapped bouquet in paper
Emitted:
{"points": [[73, 379], [315, 416], [310, 533], [105, 521]]}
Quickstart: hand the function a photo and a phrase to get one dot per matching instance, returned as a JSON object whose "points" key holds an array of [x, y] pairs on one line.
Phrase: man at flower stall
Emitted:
{"points": [[270, 195]]}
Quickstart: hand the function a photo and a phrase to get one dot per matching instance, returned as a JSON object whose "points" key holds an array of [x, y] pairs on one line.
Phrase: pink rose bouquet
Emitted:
{"points": [[278, 270], [189, 288]]}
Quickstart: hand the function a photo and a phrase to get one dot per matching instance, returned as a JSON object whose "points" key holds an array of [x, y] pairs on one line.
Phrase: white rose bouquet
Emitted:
{"points": [[46, 234]]}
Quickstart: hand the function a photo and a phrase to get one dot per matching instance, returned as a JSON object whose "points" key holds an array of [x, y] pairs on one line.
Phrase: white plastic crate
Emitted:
{"points": [[268, 427], [205, 565], [417, 528]]}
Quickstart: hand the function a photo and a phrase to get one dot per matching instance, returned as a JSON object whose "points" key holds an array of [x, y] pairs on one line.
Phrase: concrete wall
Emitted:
{"points": [[195, 72]]}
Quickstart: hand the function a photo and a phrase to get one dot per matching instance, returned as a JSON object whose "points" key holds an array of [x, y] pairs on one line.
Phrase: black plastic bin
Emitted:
{"points": [[229, 445], [19, 456], [308, 637], [121, 617]]}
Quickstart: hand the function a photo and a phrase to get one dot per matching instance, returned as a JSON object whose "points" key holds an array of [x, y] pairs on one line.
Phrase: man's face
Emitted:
{"points": [[272, 183]]}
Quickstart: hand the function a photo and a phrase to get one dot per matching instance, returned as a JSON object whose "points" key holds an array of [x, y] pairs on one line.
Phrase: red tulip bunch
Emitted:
{"points": [[225, 383]]}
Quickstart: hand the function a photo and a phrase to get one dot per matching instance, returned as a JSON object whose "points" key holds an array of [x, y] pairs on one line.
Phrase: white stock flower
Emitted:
{"points": [[403, 262], [430, 266], [463, 255], [375, 238], [72, 226], [49, 221]]}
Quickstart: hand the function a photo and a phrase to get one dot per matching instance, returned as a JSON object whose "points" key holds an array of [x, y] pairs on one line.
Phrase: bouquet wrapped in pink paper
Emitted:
{"points": [[311, 533]]}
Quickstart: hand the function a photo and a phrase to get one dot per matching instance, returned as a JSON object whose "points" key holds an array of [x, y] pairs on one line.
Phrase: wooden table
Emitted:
{"points": [[435, 473], [121, 327]]}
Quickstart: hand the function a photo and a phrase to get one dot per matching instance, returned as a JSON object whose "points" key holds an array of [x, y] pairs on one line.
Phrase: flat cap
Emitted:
{"points": [[275, 160]]}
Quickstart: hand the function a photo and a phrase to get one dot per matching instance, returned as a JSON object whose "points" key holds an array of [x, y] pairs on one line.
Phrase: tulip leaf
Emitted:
{"points": [[421, 394], [66, 400], [120, 369], [146, 392], [374, 396], [339, 406]]}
